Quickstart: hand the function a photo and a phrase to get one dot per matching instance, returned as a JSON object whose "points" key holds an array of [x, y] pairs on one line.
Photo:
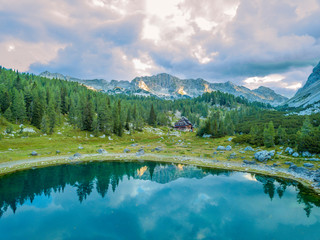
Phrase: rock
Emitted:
{"points": [[103, 136], [140, 152], [300, 170], [288, 163], [289, 150], [306, 154], [295, 154], [206, 135], [34, 153], [91, 136], [80, 147], [10, 149], [228, 148], [248, 148], [272, 152], [206, 143], [242, 157], [215, 153], [58, 152], [293, 167], [309, 165], [101, 151], [126, 150], [71, 158], [275, 165], [241, 152], [221, 148], [279, 153], [76, 155], [230, 139], [233, 155], [249, 162], [281, 147], [134, 144], [263, 156], [158, 149], [316, 179]]}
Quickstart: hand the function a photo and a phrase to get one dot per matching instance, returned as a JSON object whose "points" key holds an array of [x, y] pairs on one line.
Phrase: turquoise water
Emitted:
{"points": [[112, 200]]}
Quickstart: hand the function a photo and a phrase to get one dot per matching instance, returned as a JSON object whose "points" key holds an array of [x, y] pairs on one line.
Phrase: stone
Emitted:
{"points": [[221, 148], [316, 179], [233, 155], [10, 149], [249, 162], [101, 151], [103, 136], [158, 149], [288, 163], [241, 152], [134, 144], [228, 148], [34, 153], [248, 148], [295, 154], [140, 152], [58, 152], [275, 165], [91, 136], [206, 135], [230, 139], [80, 147], [281, 147], [263, 156], [76, 155], [126, 150], [308, 165], [306, 154], [289, 150], [215, 153]]}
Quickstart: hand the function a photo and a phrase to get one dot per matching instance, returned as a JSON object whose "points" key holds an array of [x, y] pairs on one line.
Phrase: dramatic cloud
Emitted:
{"points": [[251, 43]]}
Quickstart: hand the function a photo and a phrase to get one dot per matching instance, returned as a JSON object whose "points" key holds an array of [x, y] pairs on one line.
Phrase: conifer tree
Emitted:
{"points": [[269, 135], [44, 124], [281, 134], [88, 115], [51, 116], [152, 117], [18, 107], [306, 127]]}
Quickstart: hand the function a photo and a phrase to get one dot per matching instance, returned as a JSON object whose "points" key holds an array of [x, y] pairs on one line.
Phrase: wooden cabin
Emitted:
{"points": [[184, 125]]}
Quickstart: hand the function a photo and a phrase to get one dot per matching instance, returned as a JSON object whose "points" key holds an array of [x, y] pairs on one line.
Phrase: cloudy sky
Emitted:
{"points": [[274, 43]]}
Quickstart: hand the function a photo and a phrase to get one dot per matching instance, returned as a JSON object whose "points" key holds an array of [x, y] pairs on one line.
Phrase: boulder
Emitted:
{"points": [[101, 151], [272, 152], [76, 155], [126, 150], [248, 148], [249, 162], [300, 170], [140, 152], [34, 153], [215, 153], [221, 148], [206, 135], [241, 152], [289, 150], [58, 152], [134, 144], [308, 165], [275, 165], [80, 147], [306, 154], [230, 139], [316, 179], [158, 149], [263, 156], [295, 154], [233, 155], [288, 163], [228, 148]]}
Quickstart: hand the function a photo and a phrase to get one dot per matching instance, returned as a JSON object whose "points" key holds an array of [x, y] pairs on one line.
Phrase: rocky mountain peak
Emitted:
{"points": [[314, 77]]}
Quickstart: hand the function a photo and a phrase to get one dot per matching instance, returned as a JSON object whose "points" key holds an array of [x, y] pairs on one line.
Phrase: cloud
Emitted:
{"points": [[218, 40]]}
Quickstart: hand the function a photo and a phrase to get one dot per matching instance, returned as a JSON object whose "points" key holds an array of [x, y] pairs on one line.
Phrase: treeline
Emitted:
{"points": [[44, 103]]}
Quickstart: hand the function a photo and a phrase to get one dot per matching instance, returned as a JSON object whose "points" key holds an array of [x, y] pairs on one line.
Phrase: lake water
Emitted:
{"points": [[147, 200]]}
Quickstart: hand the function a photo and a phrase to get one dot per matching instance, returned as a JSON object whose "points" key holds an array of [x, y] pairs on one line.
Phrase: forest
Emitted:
{"points": [[45, 104]]}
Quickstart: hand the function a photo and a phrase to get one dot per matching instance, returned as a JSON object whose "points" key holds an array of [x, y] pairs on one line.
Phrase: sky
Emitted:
{"points": [[274, 43]]}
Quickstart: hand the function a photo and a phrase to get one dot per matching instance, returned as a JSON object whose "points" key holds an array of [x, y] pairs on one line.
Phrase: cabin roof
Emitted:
{"points": [[183, 122]]}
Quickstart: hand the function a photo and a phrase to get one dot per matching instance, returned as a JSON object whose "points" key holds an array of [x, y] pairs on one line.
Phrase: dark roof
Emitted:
{"points": [[183, 122]]}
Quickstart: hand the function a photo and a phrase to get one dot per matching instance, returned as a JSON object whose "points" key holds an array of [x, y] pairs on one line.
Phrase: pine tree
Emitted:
{"points": [[51, 116], [306, 127], [88, 116], [18, 107], [269, 135], [4, 100], [37, 112], [8, 114], [152, 117], [44, 124], [282, 135]]}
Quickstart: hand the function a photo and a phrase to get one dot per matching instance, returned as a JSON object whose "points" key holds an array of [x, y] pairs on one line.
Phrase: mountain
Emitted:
{"points": [[166, 86], [308, 97]]}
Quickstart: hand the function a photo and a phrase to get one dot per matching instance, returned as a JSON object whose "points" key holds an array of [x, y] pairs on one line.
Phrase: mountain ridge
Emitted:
{"points": [[168, 86]]}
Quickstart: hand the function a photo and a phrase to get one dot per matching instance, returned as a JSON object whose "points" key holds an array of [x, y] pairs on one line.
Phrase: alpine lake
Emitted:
{"points": [[149, 200]]}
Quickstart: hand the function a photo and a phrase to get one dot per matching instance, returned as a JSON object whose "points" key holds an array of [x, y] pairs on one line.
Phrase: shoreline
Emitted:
{"points": [[41, 162]]}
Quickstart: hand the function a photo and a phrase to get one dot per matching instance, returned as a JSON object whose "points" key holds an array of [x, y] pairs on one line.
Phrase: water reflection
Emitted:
{"points": [[18, 188]]}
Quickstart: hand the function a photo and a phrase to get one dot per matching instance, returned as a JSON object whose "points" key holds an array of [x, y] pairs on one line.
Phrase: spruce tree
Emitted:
{"points": [[282, 136], [269, 135], [18, 107], [51, 116], [152, 117], [44, 124], [88, 115]]}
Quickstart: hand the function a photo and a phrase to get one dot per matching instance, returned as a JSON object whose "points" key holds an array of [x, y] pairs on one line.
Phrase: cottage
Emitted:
{"points": [[184, 125]]}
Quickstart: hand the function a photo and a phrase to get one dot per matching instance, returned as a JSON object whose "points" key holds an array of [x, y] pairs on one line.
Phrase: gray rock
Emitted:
{"points": [[221, 148], [233, 155], [288, 163], [71, 158], [263, 156], [272, 152], [295, 154], [215, 153], [241, 152], [306, 154], [228, 148], [309, 165], [80, 147], [230, 139], [289, 150], [34, 153], [300, 170], [101, 151], [249, 148], [249, 162], [58, 152], [275, 165], [134, 144], [10, 149], [316, 179], [206, 135], [126, 150], [158, 149], [140, 152], [76, 155], [242, 157], [281, 147]]}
